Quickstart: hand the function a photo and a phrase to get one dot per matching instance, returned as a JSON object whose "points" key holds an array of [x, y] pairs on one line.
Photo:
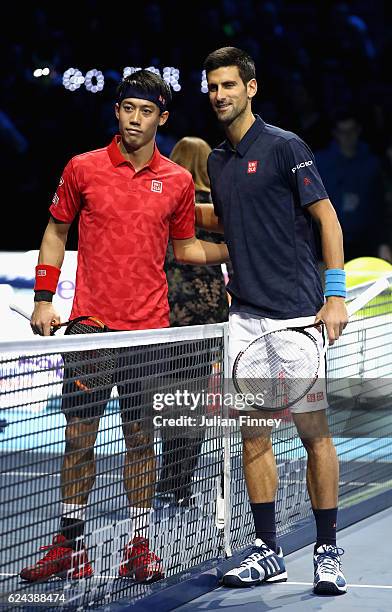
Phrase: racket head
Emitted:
{"points": [[278, 368], [90, 369]]}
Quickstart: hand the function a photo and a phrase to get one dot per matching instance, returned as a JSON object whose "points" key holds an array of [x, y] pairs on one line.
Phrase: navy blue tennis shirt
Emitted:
{"points": [[261, 191]]}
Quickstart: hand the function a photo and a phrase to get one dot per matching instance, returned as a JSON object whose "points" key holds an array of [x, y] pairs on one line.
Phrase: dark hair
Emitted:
{"points": [[146, 82], [231, 56]]}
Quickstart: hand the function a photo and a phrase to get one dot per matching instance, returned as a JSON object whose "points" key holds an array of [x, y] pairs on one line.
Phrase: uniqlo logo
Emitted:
{"points": [[320, 396], [252, 167], [156, 186], [311, 397]]}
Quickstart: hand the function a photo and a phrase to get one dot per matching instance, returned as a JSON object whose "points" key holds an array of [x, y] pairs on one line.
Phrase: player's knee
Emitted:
{"points": [[319, 446], [79, 438], [138, 441], [256, 443]]}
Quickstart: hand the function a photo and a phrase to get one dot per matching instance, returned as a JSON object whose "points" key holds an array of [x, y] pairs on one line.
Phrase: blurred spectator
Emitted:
{"points": [[352, 176], [197, 295], [309, 123]]}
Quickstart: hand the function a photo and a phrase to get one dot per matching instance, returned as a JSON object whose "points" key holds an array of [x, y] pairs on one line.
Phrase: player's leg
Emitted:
{"points": [[322, 477], [139, 561], [322, 471], [139, 471], [67, 555], [265, 563], [261, 479], [77, 475]]}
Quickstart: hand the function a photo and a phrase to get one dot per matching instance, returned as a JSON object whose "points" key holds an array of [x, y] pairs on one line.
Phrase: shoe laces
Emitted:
{"points": [[54, 553], [329, 560], [259, 552]]}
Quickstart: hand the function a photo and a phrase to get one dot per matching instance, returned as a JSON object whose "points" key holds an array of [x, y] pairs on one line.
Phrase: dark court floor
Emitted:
{"points": [[367, 565]]}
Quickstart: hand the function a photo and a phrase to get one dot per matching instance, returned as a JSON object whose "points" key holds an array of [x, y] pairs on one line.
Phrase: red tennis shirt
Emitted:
{"points": [[125, 221]]}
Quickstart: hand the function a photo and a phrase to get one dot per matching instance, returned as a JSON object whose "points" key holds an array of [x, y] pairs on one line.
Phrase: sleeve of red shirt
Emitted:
{"points": [[182, 223], [66, 201]]}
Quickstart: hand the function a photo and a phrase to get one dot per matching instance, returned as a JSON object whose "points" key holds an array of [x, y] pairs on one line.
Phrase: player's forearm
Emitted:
{"points": [[202, 253], [332, 243], [326, 218], [53, 244], [206, 218]]}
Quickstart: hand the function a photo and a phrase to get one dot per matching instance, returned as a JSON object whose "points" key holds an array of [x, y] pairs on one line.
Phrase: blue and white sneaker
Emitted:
{"points": [[262, 565], [328, 576]]}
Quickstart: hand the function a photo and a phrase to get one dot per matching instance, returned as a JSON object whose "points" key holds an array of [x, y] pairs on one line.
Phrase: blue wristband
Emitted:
{"points": [[335, 283]]}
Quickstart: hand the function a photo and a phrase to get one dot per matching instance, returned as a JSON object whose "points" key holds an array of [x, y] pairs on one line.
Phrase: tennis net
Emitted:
{"points": [[178, 468]]}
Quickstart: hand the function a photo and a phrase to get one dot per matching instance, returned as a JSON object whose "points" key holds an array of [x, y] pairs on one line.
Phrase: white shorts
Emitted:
{"points": [[243, 328]]}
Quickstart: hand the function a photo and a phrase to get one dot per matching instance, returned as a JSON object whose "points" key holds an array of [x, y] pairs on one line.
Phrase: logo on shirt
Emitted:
{"points": [[61, 182], [315, 397], [156, 186], [252, 167], [301, 165], [307, 181], [55, 199]]}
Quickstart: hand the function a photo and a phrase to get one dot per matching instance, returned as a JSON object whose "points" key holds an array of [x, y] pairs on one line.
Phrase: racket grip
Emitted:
{"points": [[19, 311]]}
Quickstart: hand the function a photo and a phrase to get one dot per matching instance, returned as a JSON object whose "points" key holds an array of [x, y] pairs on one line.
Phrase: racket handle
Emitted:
{"points": [[371, 292], [24, 314], [19, 311]]}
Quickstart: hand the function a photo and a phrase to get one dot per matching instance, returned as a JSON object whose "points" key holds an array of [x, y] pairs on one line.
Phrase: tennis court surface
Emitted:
{"points": [[196, 538]]}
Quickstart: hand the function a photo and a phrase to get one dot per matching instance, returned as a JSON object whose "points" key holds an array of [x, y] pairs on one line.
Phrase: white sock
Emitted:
{"points": [[74, 511], [141, 518]]}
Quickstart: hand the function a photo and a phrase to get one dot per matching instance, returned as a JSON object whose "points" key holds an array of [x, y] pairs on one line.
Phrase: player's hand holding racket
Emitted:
{"points": [[44, 318], [280, 367], [90, 369], [333, 315]]}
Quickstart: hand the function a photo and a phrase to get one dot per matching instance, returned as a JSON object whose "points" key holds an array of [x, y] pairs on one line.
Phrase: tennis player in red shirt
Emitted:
{"points": [[130, 201]]}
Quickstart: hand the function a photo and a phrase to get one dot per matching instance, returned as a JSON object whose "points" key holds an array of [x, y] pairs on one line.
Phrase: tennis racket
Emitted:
{"points": [[91, 369], [280, 367]]}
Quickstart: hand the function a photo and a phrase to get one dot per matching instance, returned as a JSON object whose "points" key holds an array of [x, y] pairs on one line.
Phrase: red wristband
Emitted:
{"points": [[46, 278]]}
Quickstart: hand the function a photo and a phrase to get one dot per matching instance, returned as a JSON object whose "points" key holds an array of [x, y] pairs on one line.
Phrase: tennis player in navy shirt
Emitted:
{"points": [[267, 194]]}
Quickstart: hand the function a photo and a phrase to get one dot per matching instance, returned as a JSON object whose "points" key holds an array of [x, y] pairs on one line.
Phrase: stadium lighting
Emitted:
{"points": [[94, 81], [72, 79]]}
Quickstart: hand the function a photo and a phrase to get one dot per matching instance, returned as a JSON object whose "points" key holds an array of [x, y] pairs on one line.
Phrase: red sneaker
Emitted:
{"points": [[140, 563], [59, 561]]}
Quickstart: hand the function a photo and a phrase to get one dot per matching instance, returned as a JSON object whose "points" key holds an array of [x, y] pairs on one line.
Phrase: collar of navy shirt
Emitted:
{"points": [[248, 139]]}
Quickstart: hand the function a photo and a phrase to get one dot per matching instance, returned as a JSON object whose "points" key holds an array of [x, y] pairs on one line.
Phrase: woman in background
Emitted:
{"points": [[197, 296]]}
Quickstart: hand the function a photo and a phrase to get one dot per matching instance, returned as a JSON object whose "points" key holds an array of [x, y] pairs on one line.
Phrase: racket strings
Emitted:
{"points": [[92, 369], [279, 368]]}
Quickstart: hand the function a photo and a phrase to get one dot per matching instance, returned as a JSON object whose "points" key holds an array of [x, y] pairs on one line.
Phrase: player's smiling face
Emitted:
{"points": [[138, 121], [229, 96]]}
